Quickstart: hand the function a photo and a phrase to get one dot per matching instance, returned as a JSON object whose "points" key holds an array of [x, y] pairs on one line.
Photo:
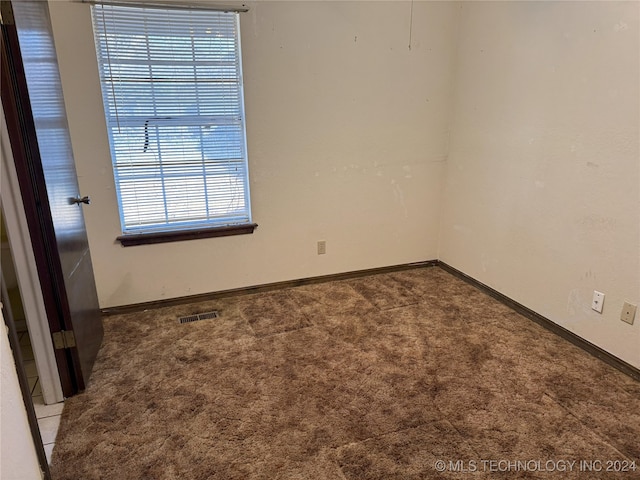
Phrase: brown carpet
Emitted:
{"points": [[370, 378]]}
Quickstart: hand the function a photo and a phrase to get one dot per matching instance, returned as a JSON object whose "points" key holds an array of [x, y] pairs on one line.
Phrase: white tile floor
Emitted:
{"points": [[48, 415]]}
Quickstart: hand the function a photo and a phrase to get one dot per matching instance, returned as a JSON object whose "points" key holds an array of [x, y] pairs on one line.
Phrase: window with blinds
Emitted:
{"points": [[173, 100]]}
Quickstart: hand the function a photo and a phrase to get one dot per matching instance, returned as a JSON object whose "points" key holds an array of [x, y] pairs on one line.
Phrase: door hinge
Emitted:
{"points": [[64, 339]]}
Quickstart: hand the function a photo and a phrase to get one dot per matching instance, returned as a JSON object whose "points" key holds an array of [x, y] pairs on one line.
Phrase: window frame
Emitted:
{"points": [[180, 229]]}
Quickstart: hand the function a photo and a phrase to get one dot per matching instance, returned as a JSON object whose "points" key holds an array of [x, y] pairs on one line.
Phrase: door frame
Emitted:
{"points": [[27, 274]]}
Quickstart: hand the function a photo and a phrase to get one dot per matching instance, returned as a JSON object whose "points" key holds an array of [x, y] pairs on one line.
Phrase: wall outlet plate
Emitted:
{"points": [[598, 301], [322, 247], [628, 312]]}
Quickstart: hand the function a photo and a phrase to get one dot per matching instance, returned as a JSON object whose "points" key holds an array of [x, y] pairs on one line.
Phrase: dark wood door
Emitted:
{"points": [[40, 139]]}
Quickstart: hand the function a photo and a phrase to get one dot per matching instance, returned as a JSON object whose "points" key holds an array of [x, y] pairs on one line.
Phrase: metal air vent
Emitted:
{"points": [[198, 316]]}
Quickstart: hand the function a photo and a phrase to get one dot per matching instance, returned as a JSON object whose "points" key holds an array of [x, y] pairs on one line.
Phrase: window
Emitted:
{"points": [[172, 91]]}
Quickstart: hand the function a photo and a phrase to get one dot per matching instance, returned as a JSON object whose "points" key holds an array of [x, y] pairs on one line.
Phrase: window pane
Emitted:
{"points": [[171, 84]]}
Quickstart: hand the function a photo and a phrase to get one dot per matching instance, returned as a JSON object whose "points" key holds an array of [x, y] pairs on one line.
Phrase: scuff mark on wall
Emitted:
{"points": [[620, 27], [399, 194], [125, 287], [484, 260], [578, 304], [598, 223], [574, 302], [588, 274]]}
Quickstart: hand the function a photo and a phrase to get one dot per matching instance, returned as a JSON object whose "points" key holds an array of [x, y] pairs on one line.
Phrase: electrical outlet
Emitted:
{"points": [[322, 247], [628, 312], [598, 301]]}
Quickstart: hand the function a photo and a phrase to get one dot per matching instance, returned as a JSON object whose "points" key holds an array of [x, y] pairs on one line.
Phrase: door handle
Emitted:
{"points": [[79, 200]]}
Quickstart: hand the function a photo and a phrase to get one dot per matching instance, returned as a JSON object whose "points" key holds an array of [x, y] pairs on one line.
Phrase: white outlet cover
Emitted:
{"points": [[598, 301], [628, 313]]}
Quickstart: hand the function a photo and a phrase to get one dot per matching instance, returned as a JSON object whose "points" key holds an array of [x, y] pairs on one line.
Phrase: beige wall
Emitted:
{"points": [[347, 132], [543, 177]]}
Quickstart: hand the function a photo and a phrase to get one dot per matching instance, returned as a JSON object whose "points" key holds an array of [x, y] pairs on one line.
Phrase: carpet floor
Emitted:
{"points": [[379, 377]]}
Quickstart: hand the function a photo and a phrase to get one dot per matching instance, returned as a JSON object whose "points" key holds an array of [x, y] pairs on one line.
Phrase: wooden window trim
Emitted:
{"points": [[134, 239]]}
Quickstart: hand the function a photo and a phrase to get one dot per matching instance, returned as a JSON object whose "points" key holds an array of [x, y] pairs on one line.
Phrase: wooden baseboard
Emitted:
{"points": [[578, 341], [138, 307]]}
